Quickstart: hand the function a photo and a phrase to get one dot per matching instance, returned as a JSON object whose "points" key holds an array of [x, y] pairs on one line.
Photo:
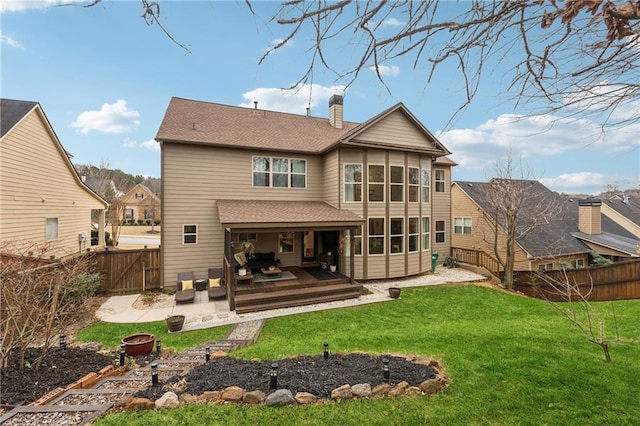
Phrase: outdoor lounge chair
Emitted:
{"points": [[185, 295], [216, 292]]}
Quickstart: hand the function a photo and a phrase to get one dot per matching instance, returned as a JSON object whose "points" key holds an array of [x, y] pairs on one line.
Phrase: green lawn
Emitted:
{"points": [[512, 360]]}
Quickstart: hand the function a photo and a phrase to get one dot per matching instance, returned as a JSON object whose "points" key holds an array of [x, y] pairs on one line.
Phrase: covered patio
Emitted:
{"points": [[301, 235]]}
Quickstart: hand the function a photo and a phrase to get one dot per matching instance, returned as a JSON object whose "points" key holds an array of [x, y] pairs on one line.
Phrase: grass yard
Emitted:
{"points": [[512, 360]]}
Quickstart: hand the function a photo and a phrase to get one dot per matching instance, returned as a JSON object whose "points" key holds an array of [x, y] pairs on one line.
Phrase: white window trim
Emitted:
{"points": [[345, 183], [423, 233], [55, 237], [463, 226], [415, 234], [392, 184], [271, 172], [413, 185], [436, 181], [383, 183], [427, 186], [184, 234], [384, 241], [293, 242]]}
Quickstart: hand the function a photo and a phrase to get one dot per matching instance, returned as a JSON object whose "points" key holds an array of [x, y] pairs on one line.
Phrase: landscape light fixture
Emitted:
{"points": [[385, 369], [122, 355], [158, 346], [207, 354], [273, 383], [154, 374], [326, 350], [63, 341]]}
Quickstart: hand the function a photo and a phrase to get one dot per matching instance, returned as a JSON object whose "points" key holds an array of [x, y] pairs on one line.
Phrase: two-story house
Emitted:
{"points": [[372, 197], [555, 231], [43, 201], [140, 204]]}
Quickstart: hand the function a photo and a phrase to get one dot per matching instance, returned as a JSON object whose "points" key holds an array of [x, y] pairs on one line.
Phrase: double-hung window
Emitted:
{"points": [[189, 234], [426, 185], [462, 225], [426, 233], [397, 235], [440, 231], [376, 182], [397, 183], [414, 184], [376, 235], [353, 182], [51, 229], [440, 181], [414, 234]]}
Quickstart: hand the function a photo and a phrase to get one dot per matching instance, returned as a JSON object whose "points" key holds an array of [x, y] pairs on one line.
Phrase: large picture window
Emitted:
{"points": [[414, 234], [426, 233], [440, 181], [376, 235], [397, 235], [462, 225], [279, 172], [353, 182], [376, 183], [189, 234], [397, 183], [426, 186], [440, 231], [414, 184]]}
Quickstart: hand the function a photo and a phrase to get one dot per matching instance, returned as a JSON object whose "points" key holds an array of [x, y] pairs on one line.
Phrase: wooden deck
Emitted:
{"points": [[305, 289]]}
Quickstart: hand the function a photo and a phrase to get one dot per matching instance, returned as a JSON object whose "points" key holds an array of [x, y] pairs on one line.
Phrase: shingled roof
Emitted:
{"points": [[207, 123], [12, 112], [261, 213], [549, 239]]}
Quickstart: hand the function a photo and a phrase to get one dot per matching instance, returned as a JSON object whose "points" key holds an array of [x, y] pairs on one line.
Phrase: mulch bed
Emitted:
{"points": [[311, 374], [60, 368]]}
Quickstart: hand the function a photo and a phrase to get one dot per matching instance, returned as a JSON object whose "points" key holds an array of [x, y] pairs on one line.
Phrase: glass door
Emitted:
{"points": [[309, 247]]}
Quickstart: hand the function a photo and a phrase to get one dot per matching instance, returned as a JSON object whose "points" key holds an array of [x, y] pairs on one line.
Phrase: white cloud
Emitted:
{"points": [[391, 22], [112, 118], [294, 101], [387, 71], [21, 5], [531, 137], [151, 144], [577, 182], [10, 41]]}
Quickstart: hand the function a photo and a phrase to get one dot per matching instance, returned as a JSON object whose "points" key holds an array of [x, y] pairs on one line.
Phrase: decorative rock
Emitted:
{"points": [[381, 389], [362, 390], [306, 398], [168, 400], [430, 386], [434, 363], [444, 380], [232, 394], [343, 392], [209, 396], [187, 398], [399, 389], [124, 401], [280, 397], [412, 391], [218, 354], [140, 404], [91, 346], [254, 397]]}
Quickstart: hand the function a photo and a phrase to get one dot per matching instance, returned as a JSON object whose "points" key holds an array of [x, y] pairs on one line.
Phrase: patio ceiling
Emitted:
{"points": [[256, 214]]}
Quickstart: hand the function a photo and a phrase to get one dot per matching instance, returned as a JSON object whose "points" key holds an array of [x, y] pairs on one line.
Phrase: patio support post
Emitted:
{"points": [[352, 254]]}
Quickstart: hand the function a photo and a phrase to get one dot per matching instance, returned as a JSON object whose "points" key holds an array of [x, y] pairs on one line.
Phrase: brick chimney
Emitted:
{"points": [[589, 219], [335, 111]]}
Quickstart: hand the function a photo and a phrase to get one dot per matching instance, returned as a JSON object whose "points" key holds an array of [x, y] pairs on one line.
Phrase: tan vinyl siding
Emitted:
{"points": [[37, 182], [194, 177], [621, 220], [396, 129], [331, 179], [441, 210]]}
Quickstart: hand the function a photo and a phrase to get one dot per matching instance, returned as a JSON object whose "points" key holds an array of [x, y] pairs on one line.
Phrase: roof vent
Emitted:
{"points": [[470, 184], [255, 104]]}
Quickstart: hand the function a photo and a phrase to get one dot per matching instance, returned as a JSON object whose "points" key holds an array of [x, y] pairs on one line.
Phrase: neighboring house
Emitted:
{"points": [[558, 239], [42, 198], [625, 211], [140, 203], [302, 187]]}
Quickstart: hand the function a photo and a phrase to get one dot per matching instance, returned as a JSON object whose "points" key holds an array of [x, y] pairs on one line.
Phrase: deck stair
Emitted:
{"points": [[293, 293]]}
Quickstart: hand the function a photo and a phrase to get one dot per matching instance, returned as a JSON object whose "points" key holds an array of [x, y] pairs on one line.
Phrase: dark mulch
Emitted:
{"points": [[60, 368], [311, 374]]}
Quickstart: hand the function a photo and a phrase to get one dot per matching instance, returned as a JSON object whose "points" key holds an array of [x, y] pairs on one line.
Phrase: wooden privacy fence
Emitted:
{"points": [[618, 281], [128, 271]]}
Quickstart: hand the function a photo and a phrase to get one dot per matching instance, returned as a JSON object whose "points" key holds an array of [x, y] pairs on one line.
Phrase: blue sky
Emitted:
{"points": [[104, 79]]}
